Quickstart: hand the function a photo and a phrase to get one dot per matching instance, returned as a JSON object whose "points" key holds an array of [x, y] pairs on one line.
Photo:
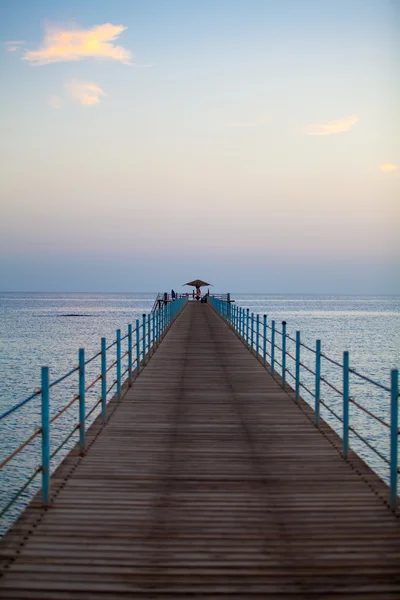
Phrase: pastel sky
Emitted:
{"points": [[252, 143]]}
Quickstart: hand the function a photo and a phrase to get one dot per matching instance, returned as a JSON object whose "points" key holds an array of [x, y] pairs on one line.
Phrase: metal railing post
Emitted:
{"points": [[252, 333], [346, 386], [394, 432], [103, 378], [81, 401], [298, 346], [317, 379], [137, 346], [45, 436], [148, 332], [272, 346], [129, 355], [257, 334], [247, 326], [154, 331], [118, 351], [144, 336], [265, 340], [283, 353]]}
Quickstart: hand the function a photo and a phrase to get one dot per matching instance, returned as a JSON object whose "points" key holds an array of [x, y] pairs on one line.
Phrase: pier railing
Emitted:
{"points": [[113, 369], [285, 354]]}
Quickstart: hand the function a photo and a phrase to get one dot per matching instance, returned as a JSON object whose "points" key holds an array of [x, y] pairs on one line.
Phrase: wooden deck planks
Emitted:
{"points": [[207, 482]]}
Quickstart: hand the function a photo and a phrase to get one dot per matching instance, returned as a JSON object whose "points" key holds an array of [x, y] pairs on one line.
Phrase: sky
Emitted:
{"points": [[251, 143]]}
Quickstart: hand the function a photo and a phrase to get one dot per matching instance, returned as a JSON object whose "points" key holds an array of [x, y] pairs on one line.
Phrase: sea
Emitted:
{"points": [[47, 329]]}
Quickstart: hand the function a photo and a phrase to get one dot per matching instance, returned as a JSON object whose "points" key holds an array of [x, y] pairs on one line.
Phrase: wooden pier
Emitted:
{"points": [[207, 481]]}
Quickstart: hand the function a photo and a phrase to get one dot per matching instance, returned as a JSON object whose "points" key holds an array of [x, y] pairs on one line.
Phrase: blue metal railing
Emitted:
{"points": [[271, 346], [147, 335]]}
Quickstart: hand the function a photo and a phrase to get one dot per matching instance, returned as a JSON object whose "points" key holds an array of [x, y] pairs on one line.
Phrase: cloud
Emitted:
{"points": [[256, 123], [333, 126], [55, 102], [85, 92], [60, 45], [389, 168], [13, 45]]}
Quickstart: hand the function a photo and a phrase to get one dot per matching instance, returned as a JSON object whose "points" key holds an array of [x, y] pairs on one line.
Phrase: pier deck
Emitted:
{"points": [[207, 481]]}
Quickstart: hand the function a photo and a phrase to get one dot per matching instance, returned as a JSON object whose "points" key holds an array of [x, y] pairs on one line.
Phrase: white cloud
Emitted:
{"points": [[389, 168], [85, 92], [13, 45], [332, 126], [60, 45], [55, 102]]}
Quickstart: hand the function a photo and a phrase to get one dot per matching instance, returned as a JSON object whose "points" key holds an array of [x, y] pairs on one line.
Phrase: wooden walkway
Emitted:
{"points": [[209, 482]]}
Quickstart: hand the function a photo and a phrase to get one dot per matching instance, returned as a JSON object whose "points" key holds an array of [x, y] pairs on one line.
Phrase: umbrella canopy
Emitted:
{"points": [[197, 283]]}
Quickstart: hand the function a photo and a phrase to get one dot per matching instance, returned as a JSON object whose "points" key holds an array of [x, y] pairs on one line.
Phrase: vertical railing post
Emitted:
{"points": [[252, 332], [118, 364], [272, 346], [317, 380], [81, 401], [129, 355], [257, 334], [45, 436], [346, 377], [148, 332], [394, 432], [153, 342], [137, 346], [265, 340], [103, 378], [144, 335], [247, 326], [298, 346], [283, 353]]}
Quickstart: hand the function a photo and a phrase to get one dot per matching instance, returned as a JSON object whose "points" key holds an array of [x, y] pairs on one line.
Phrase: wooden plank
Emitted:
{"points": [[207, 480]]}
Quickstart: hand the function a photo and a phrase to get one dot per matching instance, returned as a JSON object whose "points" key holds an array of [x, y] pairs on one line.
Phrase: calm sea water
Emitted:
{"points": [[47, 329]]}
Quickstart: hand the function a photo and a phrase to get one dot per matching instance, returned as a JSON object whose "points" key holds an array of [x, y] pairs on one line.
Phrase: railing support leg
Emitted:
{"points": [[272, 346], [148, 333], [265, 341], [45, 436], [252, 333], [137, 346], [346, 372], [394, 432], [298, 346], [118, 365], [283, 353], [129, 355], [257, 334], [247, 326], [317, 380], [144, 336], [103, 378], [81, 401]]}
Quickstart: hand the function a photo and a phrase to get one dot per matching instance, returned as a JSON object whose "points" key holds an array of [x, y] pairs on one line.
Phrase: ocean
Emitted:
{"points": [[48, 329]]}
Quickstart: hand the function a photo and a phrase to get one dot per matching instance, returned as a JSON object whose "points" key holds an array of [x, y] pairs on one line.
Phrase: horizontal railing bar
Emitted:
{"points": [[306, 388], [307, 347], [111, 386], [125, 354], [331, 411], [93, 358], [20, 491], [93, 408], [125, 372], [111, 366], [383, 387], [21, 447], [307, 368], [386, 460], [74, 399], [69, 436], [290, 338], [93, 383], [111, 345], [335, 389], [60, 379], [291, 374], [291, 356], [278, 363], [331, 360], [371, 414], [14, 408]]}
